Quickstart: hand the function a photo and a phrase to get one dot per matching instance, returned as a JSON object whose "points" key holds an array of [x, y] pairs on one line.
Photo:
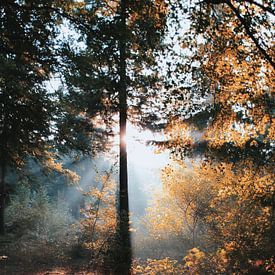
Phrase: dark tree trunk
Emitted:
{"points": [[2, 197], [3, 153], [273, 222], [124, 234]]}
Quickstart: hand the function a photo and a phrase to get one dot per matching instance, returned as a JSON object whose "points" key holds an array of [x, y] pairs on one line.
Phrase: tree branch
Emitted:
{"points": [[267, 9], [250, 34], [244, 23], [216, 2], [56, 10]]}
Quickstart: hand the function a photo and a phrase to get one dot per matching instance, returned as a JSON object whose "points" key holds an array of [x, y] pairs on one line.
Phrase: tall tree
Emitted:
{"points": [[28, 58], [26, 61], [123, 168], [115, 73]]}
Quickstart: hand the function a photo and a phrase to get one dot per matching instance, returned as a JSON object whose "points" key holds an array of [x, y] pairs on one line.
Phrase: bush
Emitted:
{"points": [[32, 213]]}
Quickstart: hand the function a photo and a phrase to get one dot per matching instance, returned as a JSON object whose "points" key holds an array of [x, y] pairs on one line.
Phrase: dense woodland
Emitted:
{"points": [[74, 74]]}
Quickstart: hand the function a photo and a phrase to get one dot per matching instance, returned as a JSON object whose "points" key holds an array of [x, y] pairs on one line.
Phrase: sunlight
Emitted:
{"points": [[140, 154], [144, 167], [82, 194]]}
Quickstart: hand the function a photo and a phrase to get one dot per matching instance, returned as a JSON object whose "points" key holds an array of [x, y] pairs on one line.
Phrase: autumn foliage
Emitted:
{"points": [[208, 85]]}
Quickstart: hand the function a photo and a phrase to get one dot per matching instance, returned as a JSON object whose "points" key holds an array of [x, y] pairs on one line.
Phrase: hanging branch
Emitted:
{"points": [[250, 34], [245, 24], [264, 8]]}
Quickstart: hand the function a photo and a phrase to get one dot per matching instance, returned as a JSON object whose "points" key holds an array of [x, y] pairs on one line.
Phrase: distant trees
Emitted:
{"points": [[32, 212]]}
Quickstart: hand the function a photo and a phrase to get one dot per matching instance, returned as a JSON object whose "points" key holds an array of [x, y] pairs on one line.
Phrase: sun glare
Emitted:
{"points": [[140, 153]]}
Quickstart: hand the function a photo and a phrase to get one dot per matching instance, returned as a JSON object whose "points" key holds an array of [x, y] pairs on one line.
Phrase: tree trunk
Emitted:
{"points": [[2, 198], [124, 234]]}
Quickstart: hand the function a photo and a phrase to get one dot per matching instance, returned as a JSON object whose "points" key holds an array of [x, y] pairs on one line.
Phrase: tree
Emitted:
{"points": [[26, 107], [28, 57], [233, 135], [251, 16], [217, 30], [235, 114], [115, 73]]}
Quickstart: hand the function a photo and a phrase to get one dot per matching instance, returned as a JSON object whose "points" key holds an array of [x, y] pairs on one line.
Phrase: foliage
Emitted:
{"points": [[92, 72], [27, 60], [197, 262], [249, 18], [228, 209], [31, 214], [241, 214], [230, 193], [99, 222], [237, 80], [163, 266], [30, 112], [178, 211]]}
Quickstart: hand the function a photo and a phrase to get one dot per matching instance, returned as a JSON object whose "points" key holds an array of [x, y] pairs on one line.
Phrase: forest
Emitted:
{"points": [[137, 137]]}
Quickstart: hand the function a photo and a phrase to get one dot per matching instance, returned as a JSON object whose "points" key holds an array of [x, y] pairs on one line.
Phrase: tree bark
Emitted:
{"points": [[3, 165], [2, 198], [124, 234]]}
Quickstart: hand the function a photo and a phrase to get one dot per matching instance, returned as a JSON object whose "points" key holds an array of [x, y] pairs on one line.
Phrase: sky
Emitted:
{"points": [[144, 166], [144, 163]]}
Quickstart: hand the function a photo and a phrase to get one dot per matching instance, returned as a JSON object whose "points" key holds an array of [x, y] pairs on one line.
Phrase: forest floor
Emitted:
{"points": [[21, 268], [38, 258], [12, 268]]}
